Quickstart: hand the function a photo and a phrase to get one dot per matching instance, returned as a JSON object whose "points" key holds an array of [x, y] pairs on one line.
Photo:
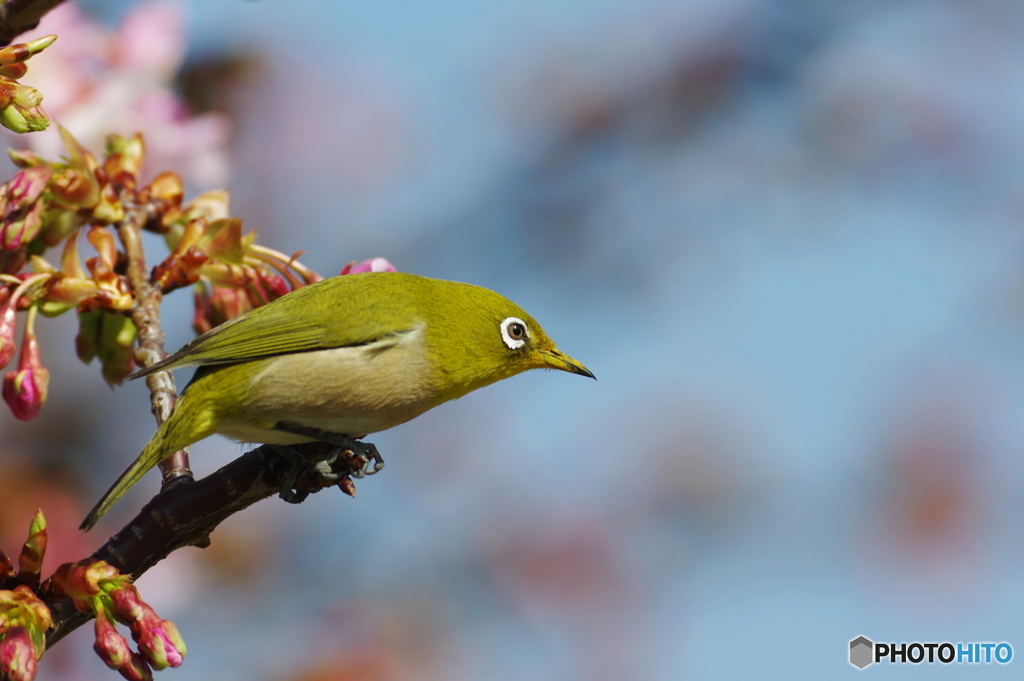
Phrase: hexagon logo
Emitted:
{"points": [[861, 652]]}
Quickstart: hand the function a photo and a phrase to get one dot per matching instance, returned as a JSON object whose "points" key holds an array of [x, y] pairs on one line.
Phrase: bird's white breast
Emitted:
{"points": [[352, 390]]}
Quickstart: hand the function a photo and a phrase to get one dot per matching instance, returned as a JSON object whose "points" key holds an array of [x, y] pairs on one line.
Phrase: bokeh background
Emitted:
{"points": [[787, 237]]}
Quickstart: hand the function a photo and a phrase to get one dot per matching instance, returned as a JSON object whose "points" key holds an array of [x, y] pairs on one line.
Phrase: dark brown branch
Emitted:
{"points": [[145, 315], [185, 513], [18, 16]]}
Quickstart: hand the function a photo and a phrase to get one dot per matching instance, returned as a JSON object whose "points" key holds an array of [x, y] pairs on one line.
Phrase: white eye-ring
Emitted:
{"points": [[513, 332]]}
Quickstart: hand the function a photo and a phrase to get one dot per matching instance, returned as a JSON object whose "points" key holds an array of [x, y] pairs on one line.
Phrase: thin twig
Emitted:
{"points": [[145, 314]]}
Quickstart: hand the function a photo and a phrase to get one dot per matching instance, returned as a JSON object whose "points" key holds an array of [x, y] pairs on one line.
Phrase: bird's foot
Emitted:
{"points": [[368, 455], [325, 464], [365, 451], [299, 466]]}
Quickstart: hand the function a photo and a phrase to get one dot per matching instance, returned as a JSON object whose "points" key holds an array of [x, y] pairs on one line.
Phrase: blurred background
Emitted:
{"points": [[786, 236]]}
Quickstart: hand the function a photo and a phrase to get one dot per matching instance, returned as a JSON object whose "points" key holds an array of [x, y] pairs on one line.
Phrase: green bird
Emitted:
{"points": [[342, 358]]}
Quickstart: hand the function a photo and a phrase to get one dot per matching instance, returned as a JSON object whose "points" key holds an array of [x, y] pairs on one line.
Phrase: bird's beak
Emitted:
{"points": [[556, 359]]}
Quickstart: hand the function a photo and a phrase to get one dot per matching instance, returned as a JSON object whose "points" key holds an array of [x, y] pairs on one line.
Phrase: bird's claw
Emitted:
{"points": [[322, 466], [368, 454], [324, 469]]}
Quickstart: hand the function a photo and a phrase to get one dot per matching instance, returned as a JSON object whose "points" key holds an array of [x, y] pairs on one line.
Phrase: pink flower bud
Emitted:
{"points": [[159, 641], [273, 283], [371, 265], [8, 325], [113, 649], [22, 607], [217, 304], [127, 605], [22, 211], [137, 669], [27, 186], [111, 646], [23, 158], [25, 389], [18, 661]]}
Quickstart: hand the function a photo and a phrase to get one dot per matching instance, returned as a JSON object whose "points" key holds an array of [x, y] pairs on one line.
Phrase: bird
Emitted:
{"points": [[339, 359]]}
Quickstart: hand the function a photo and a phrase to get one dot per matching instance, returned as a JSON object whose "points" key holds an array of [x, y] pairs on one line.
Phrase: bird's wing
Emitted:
{"points": [[298, 323]]}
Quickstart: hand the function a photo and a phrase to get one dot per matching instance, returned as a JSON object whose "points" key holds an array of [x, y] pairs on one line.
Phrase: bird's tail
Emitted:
{"points": [[168, 439]]}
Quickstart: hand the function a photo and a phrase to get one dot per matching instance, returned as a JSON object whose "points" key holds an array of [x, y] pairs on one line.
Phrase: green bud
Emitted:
{"points": [[116, 346], [19, 52], [21, 119], [58, 223], [30, 562], [24, 158], [88, 337], [27, 96]]}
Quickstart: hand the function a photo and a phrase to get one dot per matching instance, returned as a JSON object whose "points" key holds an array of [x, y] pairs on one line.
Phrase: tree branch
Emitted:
{"points": [[186, 512], [145, 314], [18, 16]]}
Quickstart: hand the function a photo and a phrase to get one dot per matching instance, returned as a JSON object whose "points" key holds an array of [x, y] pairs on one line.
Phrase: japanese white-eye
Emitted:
{"points": [[349, 355]]}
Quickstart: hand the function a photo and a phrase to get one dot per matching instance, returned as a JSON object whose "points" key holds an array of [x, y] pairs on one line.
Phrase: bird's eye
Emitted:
{"points": [[513, 332]]}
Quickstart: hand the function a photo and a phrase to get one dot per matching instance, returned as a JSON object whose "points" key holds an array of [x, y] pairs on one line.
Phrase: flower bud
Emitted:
{"points": [[167, 187], [8, 326], [24, 390], [24, 619], [30, 562], [75, 188], [371, 265], [103, 241], [14, 71], [22, 211], [136, 669], [124, 159], [24, 119], [20, 52], [113, 649], [69, 292], [83, 581], [18, 661], [265, 286], [23, 158], [217, 304], [88, 337], [222, 240], [116, 347], [212, 205], [26, 96], [58, 223], [109, 209], [159, 641], [111, 646]]}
